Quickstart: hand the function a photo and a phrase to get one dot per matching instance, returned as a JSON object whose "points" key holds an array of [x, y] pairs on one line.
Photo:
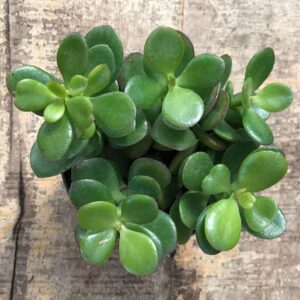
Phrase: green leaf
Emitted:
{"points": [[182, 108], [261, 170], [100, 215], [260, 67], [54, 139], [228, 66], [57, 88], [167, 196], [175, 139], [27, 72], [77, 85], [105, 35], [194, 169], [141, 130], [202, 72], [97, 247], [226, 132], [163, 51], [217, 114], [183, 232], [191, 204], [133, 65], [164, 228], [152, 168], [79, 234], [89, 132], [138, 253], [211, 101], [188, 53], [223, 224], [261, 214], [200, 234], [98, 79], [98, 169], [85, 191], [257, 128], [99, 55], [274, 97], [72, 56], [246, 93], [144, 185], [80, 110], [274, 230], [144, 91], [32, 95], [139, 209], [115, 113], [217, 181], [235, 155], [54, 112]]}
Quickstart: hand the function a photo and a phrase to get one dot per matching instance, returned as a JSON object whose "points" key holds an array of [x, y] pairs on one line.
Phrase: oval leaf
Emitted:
{"points": [[144, 185], [54, 112]]}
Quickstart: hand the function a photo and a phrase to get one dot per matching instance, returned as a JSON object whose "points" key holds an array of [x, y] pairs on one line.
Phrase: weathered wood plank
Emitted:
{"points": [[256, 269], [48, 264], [9, 166]]}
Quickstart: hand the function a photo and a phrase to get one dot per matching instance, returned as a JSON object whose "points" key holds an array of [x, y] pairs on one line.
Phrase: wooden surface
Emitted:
{"points": [[38, 257]]}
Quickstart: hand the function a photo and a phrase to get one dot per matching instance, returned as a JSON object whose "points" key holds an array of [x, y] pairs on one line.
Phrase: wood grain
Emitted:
{"points": [[38, 255]]}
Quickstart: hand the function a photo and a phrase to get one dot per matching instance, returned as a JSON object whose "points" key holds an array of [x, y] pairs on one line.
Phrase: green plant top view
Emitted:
{"points": [[156, 147]]}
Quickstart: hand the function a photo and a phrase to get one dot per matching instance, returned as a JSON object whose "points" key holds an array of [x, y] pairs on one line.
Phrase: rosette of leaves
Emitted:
{"points": [[146, 234], [72, 107], [220, 200]]}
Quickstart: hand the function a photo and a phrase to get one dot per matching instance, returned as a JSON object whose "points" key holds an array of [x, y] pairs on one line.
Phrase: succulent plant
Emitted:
{"points": [[156, 147]]}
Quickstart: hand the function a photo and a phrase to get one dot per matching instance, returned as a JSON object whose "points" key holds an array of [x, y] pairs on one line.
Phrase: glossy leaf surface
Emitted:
{"points": [[144, 185]]}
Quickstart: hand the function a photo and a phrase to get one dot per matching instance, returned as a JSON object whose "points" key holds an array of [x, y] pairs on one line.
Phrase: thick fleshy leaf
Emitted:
{"points": [[163, 51], [202, 72], [138, 253], [105, 34], [54, 111], [79, 234], [77, 85], [142, 229], [245, 199], [260, 67], [188, 53], [144, 185], [246, 93], [27, 72], [223, 224], [217, 181], [139, 209], [153, 113], [274, 97], [217, 114], [97, 247], [152, 168], [144, 91], [226, 132], [273, 231], [80, 110], [201, 237], [164, 228], [261, 170], [257, 128], [98, 169], [89, 132], [85, 191], [72, 56], [235, 155], [168, 194], [100, 215], [175, 139], [182, 108], [133, 65], [32, 95], [261, 214], [194, 169], [115, 113], [54, 139], [228, 66], [211, 101], [191, 204], [141, 130], [98, 79], [98, 55], [57, 88], [183, 232]]}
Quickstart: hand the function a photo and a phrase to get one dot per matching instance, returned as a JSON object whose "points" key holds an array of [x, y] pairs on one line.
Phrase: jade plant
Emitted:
{"points": [[156, 147]]}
